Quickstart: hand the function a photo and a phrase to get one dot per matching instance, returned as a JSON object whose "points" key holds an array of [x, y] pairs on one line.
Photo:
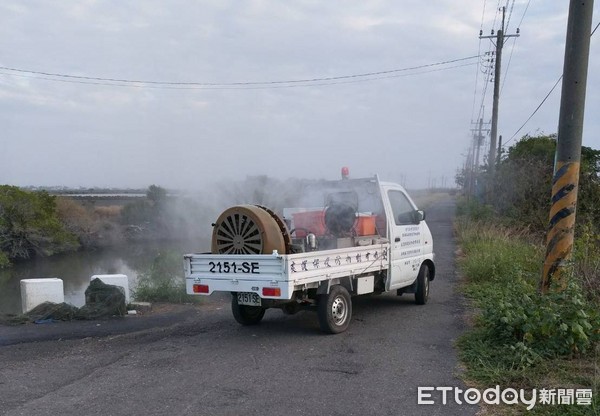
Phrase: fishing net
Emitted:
{"points": [[101, 301]]}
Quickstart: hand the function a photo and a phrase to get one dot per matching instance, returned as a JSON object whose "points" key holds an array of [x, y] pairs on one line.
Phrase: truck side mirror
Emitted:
{"points": [[419, 215], [411, 217]]}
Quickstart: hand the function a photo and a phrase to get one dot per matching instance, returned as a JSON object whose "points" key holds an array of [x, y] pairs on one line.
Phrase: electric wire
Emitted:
{"points": [[534, 111], [496, 15], [512, 47], [522, 17], [121, 82], [508, 65], [509, 14], [543, 101], [484, 94], [239, 87], [479, 65], [513, 44]]}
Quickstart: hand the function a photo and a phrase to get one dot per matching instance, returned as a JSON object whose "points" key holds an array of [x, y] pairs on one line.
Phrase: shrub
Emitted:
{"points": [[163, 281], [77, 220], [29, 225], [523, 183], [4, 261], [586, 256], [473, 210], [551, 325]]}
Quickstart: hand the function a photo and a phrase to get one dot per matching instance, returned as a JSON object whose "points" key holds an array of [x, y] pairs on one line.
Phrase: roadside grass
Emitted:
{"points": [[519, 338], [163, 281]]}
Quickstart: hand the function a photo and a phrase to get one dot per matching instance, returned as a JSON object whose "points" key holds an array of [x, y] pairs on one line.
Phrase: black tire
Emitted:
{"points": [[422, 292], [246, 315], [335, 310]]}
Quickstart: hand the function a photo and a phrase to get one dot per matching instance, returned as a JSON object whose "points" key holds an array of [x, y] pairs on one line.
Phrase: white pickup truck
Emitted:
{"points": [[343, 238]]}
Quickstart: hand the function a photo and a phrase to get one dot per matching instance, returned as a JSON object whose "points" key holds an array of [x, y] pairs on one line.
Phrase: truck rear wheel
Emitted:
{"points": [[335, 310], [246, 315], [422, 292]]}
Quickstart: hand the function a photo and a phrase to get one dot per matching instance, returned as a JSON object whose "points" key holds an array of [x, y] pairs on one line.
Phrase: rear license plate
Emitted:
{"points": [[248, 298]]}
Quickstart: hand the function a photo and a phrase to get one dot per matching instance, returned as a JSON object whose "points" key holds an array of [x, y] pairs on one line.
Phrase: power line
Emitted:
{"points": [[508, 65], [534, 111], [509, 14], [479, 64], [522, 17], [236, 87], [512, 48], [514, 42], [498, 8], [545, 98], [481, 107], [229, 84], [482, 14]]}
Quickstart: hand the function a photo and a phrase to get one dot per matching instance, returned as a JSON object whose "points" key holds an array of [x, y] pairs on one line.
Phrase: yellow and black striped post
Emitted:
{"points": [[561, 227]]}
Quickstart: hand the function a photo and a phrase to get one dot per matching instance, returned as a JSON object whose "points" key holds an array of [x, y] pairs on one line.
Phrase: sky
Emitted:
{"points": [[224, 92]]}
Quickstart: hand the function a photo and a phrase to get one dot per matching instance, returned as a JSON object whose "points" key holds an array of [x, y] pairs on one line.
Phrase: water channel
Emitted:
{"points": [[75, 269]]}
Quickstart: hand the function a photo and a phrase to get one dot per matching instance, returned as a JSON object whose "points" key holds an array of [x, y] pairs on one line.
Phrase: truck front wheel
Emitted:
{"points": [[335, 310], [246, 315], [422, 292]]}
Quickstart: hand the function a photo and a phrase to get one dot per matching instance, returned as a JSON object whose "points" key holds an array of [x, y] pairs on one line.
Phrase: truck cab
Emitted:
{"points": [[410, 238]]}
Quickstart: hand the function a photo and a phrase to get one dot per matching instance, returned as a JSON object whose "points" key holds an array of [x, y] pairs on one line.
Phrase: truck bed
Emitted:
{"points": [[207, 273]]}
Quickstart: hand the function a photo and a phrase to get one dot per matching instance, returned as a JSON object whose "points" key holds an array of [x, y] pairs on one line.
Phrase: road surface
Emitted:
{"points": [[199, 361]]}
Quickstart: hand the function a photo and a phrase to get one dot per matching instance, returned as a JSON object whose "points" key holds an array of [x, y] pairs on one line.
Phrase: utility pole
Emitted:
{"points": [[470, 176], [499, 150], [500, 37], [477, 142], [561, 227]]}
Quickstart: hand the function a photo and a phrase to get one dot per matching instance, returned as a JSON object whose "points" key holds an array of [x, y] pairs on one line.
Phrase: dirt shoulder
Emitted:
{"points": [[160, 315]]}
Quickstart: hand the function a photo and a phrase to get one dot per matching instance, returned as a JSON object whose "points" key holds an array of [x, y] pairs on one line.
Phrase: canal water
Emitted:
{"points": [[76, 269]]}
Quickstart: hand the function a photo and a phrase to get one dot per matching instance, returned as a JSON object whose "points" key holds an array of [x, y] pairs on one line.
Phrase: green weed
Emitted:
{"points": [[163, 281], [521, 338]]}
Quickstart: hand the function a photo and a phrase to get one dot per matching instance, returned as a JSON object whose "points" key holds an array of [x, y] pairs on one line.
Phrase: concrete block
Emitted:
{"points": [[37, 291], [115, 280]]}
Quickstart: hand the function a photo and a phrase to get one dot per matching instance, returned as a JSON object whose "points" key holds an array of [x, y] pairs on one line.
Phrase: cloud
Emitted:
{"points": [[414, 125]]}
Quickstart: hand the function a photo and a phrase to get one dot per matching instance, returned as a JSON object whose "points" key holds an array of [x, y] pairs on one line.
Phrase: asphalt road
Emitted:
{"points": [[199, 361]]}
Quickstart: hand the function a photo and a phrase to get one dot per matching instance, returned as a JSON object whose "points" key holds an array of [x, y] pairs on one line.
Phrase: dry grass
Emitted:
{"points": [[109, 212]]}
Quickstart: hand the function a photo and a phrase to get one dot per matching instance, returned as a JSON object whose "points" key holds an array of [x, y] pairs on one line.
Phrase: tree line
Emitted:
{"points": [[522, 185], [38, 224]]}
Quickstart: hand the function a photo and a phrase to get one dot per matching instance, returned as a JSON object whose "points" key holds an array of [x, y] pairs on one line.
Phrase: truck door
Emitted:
{"points": [[405, 238]]}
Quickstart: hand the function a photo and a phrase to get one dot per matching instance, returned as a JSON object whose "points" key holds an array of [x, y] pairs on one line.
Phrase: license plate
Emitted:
{"points": [[248, 298]]}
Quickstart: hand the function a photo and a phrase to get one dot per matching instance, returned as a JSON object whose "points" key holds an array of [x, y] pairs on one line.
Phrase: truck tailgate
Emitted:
{"points": [[277, 276]]}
